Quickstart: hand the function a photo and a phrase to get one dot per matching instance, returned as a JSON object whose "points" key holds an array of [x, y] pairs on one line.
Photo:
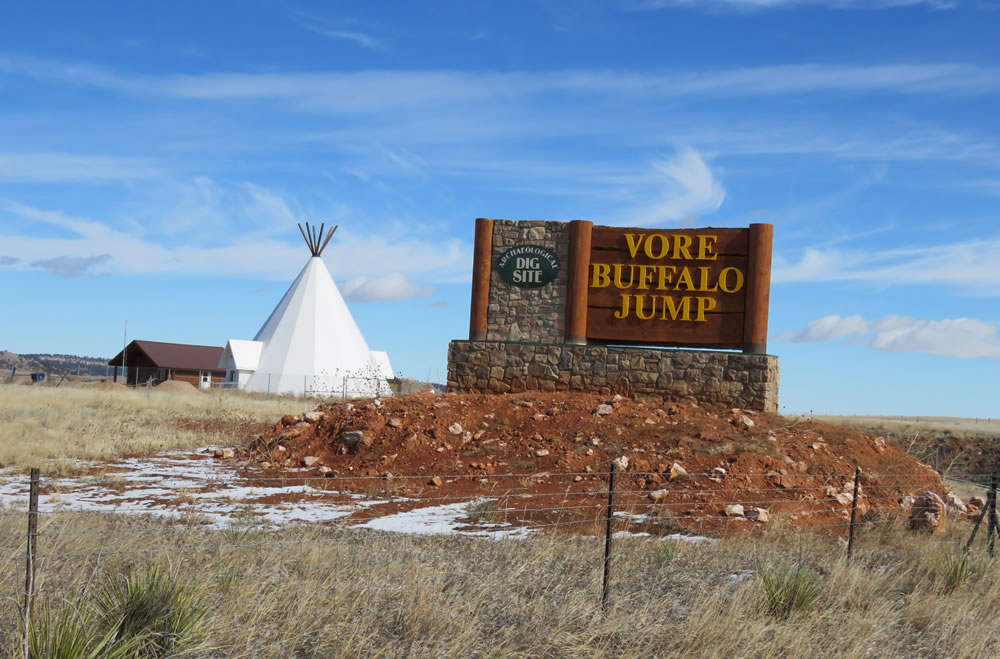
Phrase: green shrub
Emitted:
{"points": [[788, 588], [957, 570]]}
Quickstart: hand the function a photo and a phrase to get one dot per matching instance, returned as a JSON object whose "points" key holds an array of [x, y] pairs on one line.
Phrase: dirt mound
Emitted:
{"points": [[695, 459], [177, 385]]}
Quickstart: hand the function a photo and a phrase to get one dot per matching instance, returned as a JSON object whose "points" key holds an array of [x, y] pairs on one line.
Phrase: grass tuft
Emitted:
{"points": [[788, 589]]}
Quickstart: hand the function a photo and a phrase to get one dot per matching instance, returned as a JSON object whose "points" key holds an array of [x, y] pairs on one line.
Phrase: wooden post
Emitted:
{"points": [[29, 576], [482, 265], [608, 535], [578, 285], [854, 512], [758, 296]]}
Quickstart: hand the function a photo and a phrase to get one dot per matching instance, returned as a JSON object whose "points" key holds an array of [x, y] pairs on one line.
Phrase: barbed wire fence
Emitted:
{"points": [[604, 506]]}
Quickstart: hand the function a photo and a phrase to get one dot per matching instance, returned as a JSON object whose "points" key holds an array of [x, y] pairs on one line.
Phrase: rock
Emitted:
{"points": [[734, 510], [975, 505], [676, 471], [347, 407], [589, 451], [288, 420], [224, 453], [387, 476], [879, 444], [302, 424], [435, 482], [280, 448], [743, 421], [455, 429], [758, 515], [309, 460], [440, 449], [907, 502], [323, 469], [541, 453], [265, 465], [577, 479], [955, 505], [313, 417], [595, 441], [540, 417], [718, 471], [928, 513], [396, 423], [377, 403], [844, 498], [656, 495], [603, 409], [617, 397], [355, 440], [621, 463]]}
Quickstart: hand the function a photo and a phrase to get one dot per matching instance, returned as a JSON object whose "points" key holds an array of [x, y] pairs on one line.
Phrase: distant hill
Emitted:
{"points": [[70, 364], [10, 360]]}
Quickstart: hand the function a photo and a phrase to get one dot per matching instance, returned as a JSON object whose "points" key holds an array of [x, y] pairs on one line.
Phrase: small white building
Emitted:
{"points": [[240, 359]]}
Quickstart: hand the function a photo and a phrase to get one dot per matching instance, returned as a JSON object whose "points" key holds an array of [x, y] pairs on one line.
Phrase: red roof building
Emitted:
{"points": [[154, 362]]}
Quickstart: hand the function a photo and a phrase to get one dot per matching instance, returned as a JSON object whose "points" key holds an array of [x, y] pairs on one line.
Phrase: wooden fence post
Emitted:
{"points": [[991, 519], [29, 572], [608, 535]]}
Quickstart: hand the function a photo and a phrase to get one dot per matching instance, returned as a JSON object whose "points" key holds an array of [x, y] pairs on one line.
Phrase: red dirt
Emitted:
{"points": [[783, 465]]}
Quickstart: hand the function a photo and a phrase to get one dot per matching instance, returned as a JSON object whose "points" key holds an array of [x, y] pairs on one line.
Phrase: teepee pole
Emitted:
{"points": [[305, 238], [328, 237]]}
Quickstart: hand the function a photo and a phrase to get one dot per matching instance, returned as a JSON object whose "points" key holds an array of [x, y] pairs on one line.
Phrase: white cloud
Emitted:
{"points": [[687, 187], [972, 265], [393, 286], [50, 167], [351, 254], [953, 337]]}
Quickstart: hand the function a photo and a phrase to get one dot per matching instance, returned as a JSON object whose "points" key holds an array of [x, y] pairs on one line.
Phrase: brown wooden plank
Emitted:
{"points": [[630, 278], [578, 284], [758, 288], [611, 298], [723, 330], [482, 264], [730, 241]]}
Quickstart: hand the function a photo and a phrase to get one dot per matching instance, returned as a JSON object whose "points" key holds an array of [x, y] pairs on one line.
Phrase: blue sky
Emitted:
{"points": [[155, 157]]}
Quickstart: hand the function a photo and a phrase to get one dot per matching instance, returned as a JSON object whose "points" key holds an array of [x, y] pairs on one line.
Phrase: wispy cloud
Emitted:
{"points": [[368, 90], [51, 167], [953, 337], [325, 28], [756, 5], [394, 286], [9, 260], [687, 188]]}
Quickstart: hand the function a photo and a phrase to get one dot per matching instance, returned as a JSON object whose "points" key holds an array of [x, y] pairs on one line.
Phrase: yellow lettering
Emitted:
{"points": [[705, 304], [646, 276], [623, 312], [639, 304], [706, 244], [685, 281], [666, 276], [602, 275], [664, 246], [724, 280], [672, 310], [618, 276], [682, 246], [634, 241], [704, 281]]}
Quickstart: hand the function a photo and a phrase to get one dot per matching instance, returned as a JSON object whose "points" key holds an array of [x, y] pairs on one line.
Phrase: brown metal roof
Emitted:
{"points": [[171, 355]]}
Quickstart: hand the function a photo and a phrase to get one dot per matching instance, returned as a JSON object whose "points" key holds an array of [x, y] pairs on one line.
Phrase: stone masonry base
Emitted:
{"points": [[715, 378]]}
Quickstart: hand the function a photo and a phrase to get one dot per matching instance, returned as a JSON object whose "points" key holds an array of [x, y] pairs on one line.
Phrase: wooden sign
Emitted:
{"points": [[702, 288]]}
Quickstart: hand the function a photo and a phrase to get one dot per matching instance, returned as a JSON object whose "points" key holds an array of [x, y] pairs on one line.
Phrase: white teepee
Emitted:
{"points": [[310, 343]]}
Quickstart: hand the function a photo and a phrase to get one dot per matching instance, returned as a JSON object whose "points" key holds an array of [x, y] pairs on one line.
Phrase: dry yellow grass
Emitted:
{"points": [[322, 592], [925, 425], [51, 427]]}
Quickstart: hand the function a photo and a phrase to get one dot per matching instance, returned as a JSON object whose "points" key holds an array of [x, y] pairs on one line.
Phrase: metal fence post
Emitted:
{"points": [[29, 572], [854, 512], [991, 519], [608, 535]]}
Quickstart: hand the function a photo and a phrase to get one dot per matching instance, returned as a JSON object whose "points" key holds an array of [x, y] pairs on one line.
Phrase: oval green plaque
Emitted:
{"points": [[528, 266]]}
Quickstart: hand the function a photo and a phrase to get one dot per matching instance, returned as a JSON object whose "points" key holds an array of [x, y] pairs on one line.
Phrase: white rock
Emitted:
{"points": [[542, 452], [603, 409], [758, 515], [734, 510], [656, 495], [621, 463], [309, 460], [455, 429], [676, 471], [396, 423], [595, 441], [314, 416]]}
